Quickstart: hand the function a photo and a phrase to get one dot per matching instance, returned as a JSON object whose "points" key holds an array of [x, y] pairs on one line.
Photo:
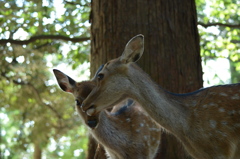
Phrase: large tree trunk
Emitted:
{"points": [[172, 52]]}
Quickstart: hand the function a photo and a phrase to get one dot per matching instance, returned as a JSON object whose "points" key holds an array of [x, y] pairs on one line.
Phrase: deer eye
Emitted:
{"points": [[78, 102], [100, 76]]}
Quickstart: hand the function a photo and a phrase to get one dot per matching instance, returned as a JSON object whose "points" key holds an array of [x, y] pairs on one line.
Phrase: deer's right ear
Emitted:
{"points": [[133, 50], [65, 82]]}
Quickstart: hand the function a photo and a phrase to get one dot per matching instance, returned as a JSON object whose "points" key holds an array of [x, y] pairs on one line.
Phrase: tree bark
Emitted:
{"points": [[37, 151], [92, 146], [95, 150], [235, 74], [172, 52]]}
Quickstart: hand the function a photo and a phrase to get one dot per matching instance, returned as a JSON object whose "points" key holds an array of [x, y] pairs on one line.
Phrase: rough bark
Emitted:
{"points": [[92, 146], [37, 151], [172, 52], [235, 74], [95, 150]]}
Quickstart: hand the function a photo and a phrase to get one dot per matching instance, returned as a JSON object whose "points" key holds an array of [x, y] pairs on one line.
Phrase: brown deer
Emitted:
{"points": [[206, 121], [125, 132]]}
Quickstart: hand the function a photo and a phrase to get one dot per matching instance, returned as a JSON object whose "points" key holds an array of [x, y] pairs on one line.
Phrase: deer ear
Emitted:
{"points": [[133, 50], [65, 82]]}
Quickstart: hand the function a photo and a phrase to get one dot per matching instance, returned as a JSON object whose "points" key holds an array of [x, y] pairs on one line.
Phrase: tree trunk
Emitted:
{"points": [[37, 151], [92, 146], [172, 52], [235, 75], [95, 150]]}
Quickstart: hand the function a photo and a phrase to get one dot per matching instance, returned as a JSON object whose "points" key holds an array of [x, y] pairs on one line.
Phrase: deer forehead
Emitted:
{"points": [[115, 68], [83, 89]]}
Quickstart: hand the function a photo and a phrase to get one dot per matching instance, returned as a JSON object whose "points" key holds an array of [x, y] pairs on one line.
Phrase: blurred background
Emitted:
{"points": [[37, 36]]}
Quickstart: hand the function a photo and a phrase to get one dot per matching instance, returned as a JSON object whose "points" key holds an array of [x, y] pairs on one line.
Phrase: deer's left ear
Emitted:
{"points": [[65, 82], [133, 50]]}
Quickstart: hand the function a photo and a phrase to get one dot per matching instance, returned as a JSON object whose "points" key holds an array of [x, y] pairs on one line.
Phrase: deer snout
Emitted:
{"points": [[83, 107], [89, 110]]}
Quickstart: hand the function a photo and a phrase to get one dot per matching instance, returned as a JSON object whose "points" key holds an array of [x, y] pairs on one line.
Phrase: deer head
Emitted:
{"points": [[125, 131], [113, 81], [80, 91]]}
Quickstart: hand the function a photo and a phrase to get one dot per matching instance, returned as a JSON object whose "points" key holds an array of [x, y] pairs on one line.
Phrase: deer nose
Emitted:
{"points": [[85, 106], [82, 107], [89, 110]]}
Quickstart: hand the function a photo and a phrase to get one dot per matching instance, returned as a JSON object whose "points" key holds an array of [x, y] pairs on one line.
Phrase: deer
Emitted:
{"points": [[125, 130], [206, 121]]}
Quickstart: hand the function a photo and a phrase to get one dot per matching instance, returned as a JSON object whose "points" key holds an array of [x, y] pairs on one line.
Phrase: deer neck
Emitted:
{"points": [[168, 112], [110, 134], [108, 124], [104, 124]]}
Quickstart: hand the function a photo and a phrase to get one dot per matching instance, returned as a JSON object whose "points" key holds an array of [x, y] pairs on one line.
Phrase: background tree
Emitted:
{"points": [[172, 52], [36, 36], [219, 28], [34, 113]]}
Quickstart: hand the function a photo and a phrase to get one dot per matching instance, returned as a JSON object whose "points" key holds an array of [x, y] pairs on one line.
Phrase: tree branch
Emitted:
{"points": [[71, 3], [35, 91], [74, 3], [235, 41], [219, 24], [38, 37], [43, 45]]}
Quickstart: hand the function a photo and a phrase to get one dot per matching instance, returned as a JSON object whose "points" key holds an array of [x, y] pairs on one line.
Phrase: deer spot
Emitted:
{"points": [[204, 106], [235, 97], [221, 110], [128, 120], [231, 112], [237, 125], [213, 124], [223, 94], [224, 122]]}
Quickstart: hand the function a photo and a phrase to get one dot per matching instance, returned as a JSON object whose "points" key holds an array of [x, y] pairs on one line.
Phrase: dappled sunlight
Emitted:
{"points": [[216, 72]]}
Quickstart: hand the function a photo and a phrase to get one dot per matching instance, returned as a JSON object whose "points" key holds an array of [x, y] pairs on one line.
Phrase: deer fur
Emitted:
{"points": [[125, 132], [207, 121]]}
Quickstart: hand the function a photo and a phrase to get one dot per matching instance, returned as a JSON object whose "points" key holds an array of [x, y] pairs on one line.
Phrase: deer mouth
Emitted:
{"points": [[92, 123]]}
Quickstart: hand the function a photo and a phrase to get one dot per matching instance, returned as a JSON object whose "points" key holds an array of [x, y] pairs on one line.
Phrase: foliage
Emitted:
{"points": [[33, 110], [220, 34], [36, 35]]}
